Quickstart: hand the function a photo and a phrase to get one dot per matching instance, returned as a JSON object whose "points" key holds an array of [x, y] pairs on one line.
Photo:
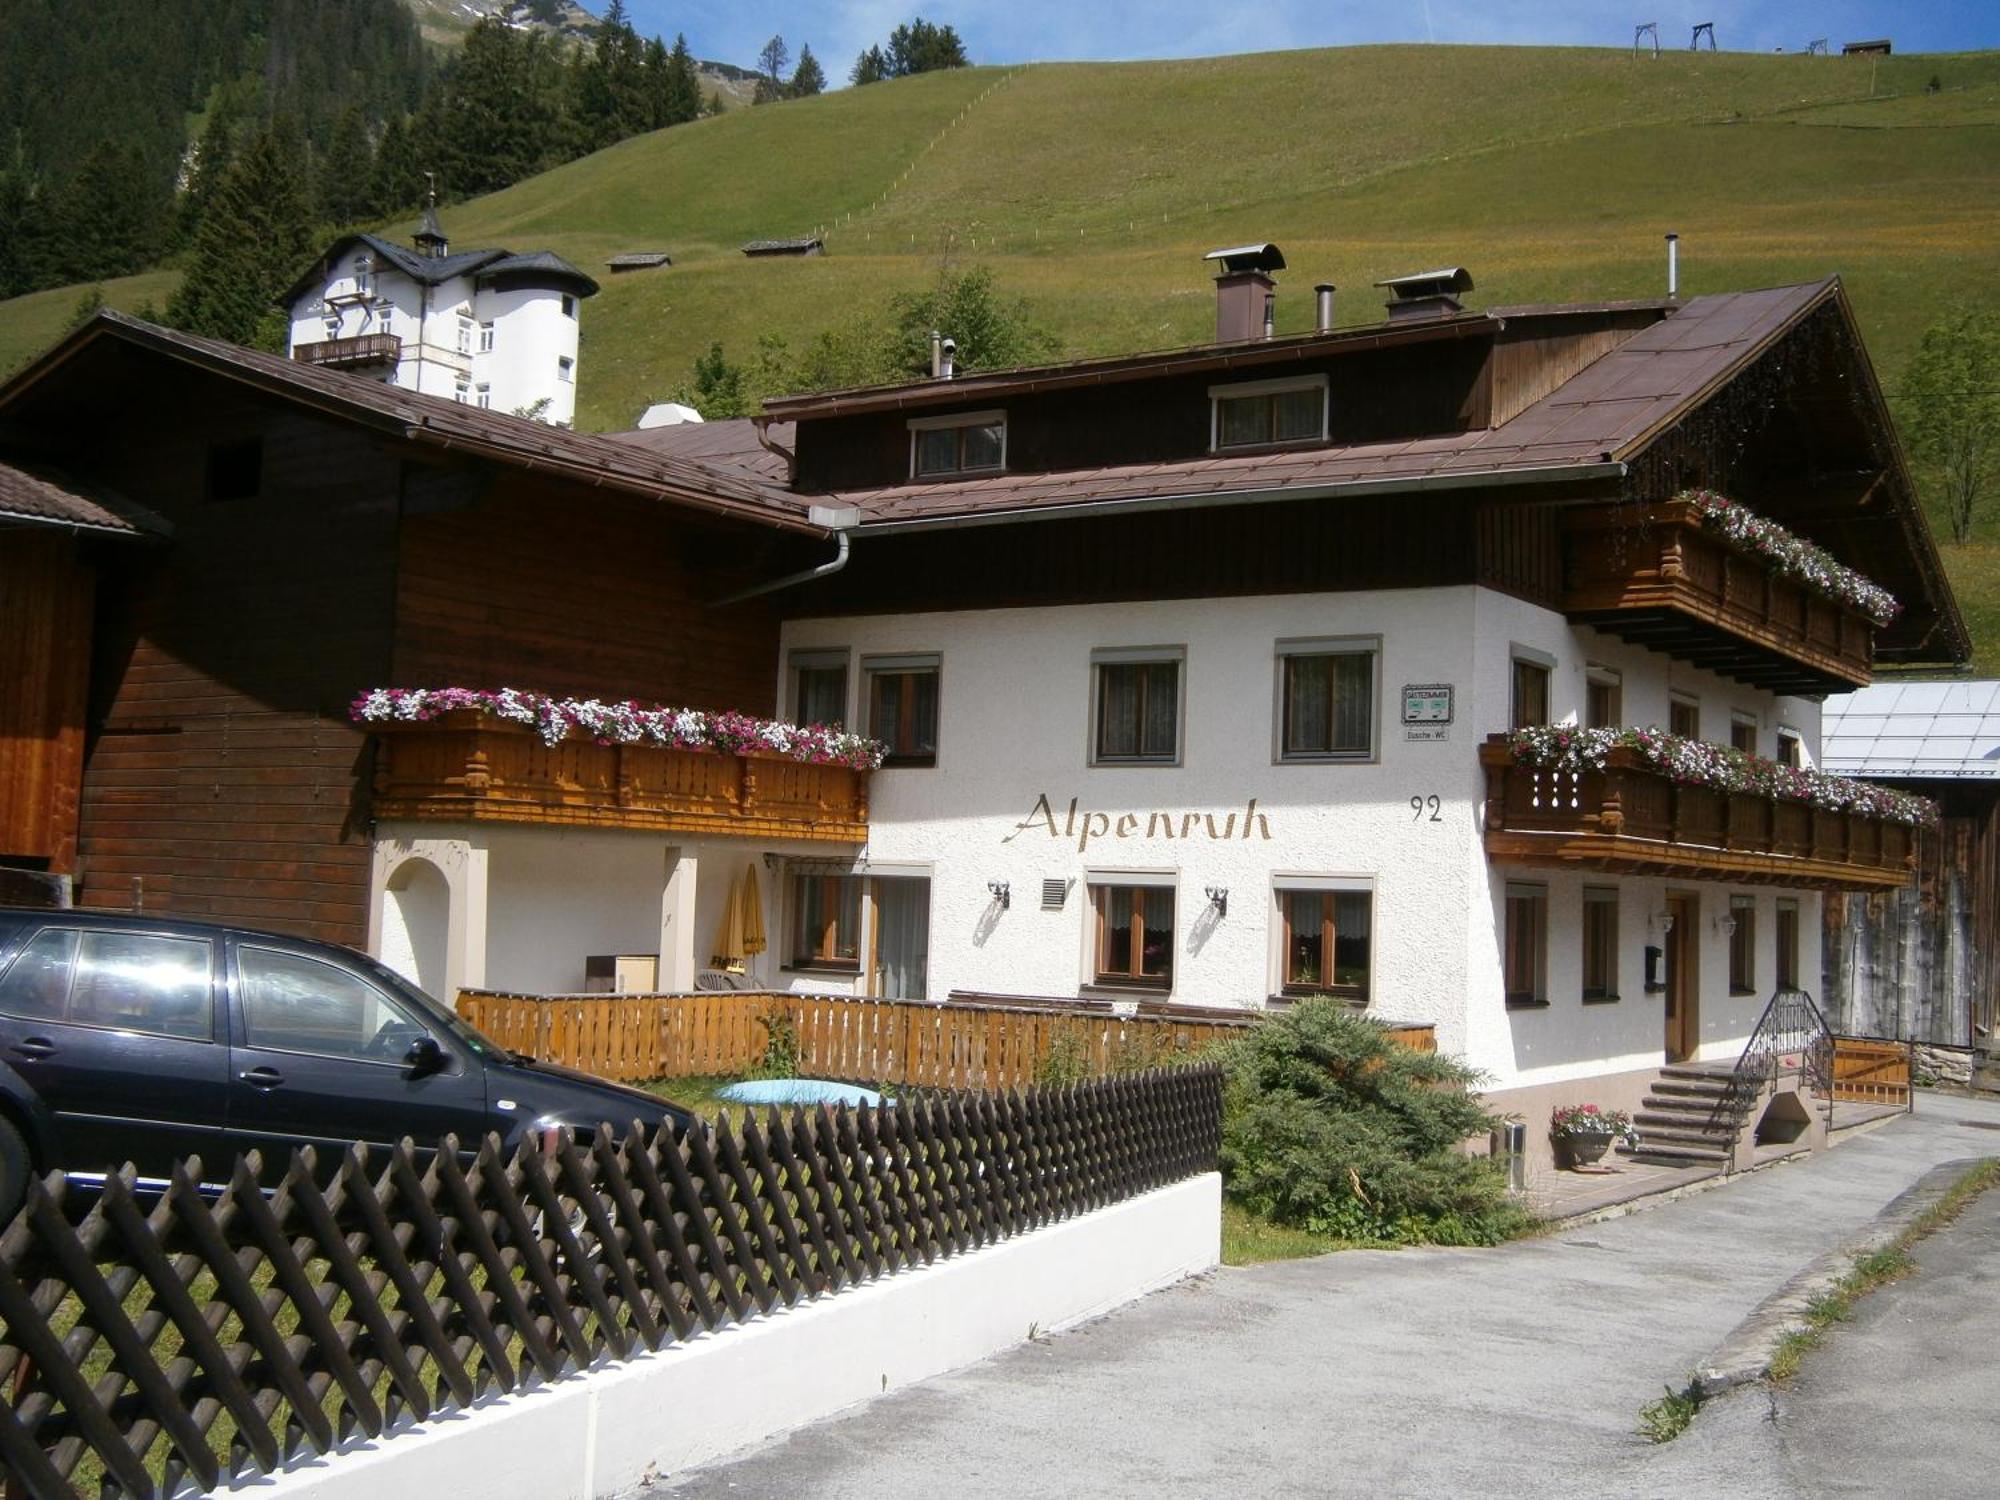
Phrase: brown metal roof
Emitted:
{"points": [[434, 421], [1605, 414], [42, 497], [730, 444]]}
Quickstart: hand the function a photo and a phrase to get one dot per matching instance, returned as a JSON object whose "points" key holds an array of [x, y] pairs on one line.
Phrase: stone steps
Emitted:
{"points": [[1690, 1117]]}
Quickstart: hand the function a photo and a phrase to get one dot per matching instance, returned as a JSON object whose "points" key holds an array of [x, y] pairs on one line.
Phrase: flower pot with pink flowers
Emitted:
{"points": [[1584, 1132]]}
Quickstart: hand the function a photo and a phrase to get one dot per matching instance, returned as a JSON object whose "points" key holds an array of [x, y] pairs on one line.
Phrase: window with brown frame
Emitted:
{"points": [[1791, 750], [1600, 946], [903, 708], [826, 922], [1526, 958], [970, 443], [1135, 935], [1787, 935], [1603, 701], [819, 687], [1742, 945], [1328, 938], [1531, 694], [1264, 414], [1684, 717], [1743, 734], [1138, 711], [1326, 704]]}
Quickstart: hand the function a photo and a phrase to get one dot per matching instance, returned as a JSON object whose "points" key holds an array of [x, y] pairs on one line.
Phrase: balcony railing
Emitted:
{"points": [[469, 766], [1630, 818], [1657, 577], [351, 354]]}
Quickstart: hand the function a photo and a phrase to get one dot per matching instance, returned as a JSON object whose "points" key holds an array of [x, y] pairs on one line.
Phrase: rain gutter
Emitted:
{"points": [[841, 523]]}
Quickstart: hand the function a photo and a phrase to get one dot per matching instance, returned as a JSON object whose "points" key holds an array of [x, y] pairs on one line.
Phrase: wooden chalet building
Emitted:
{"points": [[1210, 677], [208, 553]]}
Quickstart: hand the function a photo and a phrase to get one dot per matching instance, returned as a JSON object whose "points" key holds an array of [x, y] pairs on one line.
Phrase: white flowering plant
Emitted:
{"points": [[1791, 555], [1722, 768], [627, 722]]}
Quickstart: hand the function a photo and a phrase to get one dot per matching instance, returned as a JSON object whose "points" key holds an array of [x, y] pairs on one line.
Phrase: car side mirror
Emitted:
{"points": [[424, 1057]]}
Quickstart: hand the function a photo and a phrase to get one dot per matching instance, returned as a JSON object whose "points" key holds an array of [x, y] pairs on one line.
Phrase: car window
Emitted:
{"points": [[292, 1003], [135, 981], [36, 987]]}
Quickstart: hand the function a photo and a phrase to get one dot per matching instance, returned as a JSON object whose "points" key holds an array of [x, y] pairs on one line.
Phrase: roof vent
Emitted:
{"points": [[1054, 894], [1245, 295], [1426, 294], [667, 414]]}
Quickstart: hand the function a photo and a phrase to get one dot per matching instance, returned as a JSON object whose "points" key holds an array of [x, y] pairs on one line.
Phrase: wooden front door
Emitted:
{"points": [[1683, 978]]}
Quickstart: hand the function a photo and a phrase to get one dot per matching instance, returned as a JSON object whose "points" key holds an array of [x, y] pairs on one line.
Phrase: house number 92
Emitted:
{"points": [[1421, 805]]}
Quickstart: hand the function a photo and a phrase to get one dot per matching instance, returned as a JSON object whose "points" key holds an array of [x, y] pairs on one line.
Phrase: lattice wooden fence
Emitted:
{"points": [[196, 1337]]}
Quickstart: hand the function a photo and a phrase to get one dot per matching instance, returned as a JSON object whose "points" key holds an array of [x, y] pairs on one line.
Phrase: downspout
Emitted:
{"points": [[787, 456], [842, 522]]}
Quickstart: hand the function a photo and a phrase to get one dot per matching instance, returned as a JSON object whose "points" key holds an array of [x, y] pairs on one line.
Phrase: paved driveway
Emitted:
{"points": [[1517, 1371]]}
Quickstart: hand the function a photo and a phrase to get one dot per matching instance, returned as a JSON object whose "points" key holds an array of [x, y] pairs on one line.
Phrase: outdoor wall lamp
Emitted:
{"points": [[1218, 897], [1726, 925], [1663, 922], [1003, 892]]}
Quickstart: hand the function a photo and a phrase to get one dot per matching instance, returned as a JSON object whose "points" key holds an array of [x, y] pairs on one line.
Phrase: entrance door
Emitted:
{"points": [[1683, 977], [902, 937]]}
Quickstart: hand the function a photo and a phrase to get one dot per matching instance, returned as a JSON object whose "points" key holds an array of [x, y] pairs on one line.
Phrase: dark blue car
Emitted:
{"points": [[145, 1039]]}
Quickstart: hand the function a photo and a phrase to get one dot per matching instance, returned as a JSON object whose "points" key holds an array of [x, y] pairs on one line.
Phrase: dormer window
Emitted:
{"points": [[973, 442], [1267, 413]]}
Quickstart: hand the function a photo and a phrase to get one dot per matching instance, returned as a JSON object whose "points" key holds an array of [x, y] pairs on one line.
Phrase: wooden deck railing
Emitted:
{"points": [[469, 766], [1867, 1070], [884, 1042], [349, 353], [1660, 570], [1630, 817], [147, 1349]]}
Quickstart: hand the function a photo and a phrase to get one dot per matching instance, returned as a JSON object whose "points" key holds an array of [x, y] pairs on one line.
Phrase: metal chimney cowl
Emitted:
{"points": [[1245, 293]]}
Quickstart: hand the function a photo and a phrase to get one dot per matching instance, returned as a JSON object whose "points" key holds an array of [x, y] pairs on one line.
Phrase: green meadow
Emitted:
{"points": [[1092, 190]]}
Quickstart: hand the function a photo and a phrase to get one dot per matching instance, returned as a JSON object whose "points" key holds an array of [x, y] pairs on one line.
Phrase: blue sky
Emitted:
{"points": [[1046, 30]]}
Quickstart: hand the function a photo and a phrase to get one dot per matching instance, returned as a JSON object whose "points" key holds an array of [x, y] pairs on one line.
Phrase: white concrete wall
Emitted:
{"points": [[625, 1426], [530, 336], [1014, 727]]}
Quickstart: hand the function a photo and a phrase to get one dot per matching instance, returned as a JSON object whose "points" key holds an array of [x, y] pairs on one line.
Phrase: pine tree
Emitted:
{"points": [[346, 172], [771, 66], [684, 101], [112, 216], [254, 240], [398, 181], [212, 155], [808, 78], [871, 66]]}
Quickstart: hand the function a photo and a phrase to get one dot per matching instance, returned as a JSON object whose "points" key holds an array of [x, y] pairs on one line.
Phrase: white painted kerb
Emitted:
{"points": [[609, 1431]]}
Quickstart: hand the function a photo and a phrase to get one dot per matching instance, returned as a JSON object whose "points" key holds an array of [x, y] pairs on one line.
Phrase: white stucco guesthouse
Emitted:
{"points": [[485, 328]]}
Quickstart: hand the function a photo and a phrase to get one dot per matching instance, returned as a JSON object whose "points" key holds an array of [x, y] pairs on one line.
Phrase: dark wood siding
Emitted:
{"points": [[222, 778], [566, 590], [1378, 395], [45, 600]]}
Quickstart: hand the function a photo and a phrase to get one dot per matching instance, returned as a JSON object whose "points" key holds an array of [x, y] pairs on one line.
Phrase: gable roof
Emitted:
{"points": [[39, 496], [1905, 730], [805, 244], [1599, 418], [728, 444], [435, 270], [435, 422]]}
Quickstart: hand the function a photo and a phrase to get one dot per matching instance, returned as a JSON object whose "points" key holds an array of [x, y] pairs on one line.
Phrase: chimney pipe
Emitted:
{"points": [[1246, 298], [1673, 265], [1323, 305], [947, 358], [937, 353]]}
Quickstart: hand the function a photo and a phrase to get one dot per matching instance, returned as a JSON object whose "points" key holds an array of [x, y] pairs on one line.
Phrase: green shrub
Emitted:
{"points": [[1067, 1062], [1333, 1127], [781, 1044]]}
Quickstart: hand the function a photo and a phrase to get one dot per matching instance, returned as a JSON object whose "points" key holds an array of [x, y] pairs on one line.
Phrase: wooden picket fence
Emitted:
{"points": [[146, 1346], [887, 1042], [1867, 1070]]}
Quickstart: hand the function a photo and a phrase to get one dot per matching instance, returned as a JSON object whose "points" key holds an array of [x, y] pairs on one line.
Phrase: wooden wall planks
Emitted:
{"points": [[45, 601]]}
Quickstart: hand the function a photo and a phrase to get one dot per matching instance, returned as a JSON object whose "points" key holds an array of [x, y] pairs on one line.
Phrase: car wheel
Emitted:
{"points": [[14, 1170]]}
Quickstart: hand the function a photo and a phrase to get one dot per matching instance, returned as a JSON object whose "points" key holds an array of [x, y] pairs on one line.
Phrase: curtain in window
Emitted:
{"points": [[1162, 702], [1157, 951], [1353, 701], [1305, 922], [1308, 704], [902, 937], [1117, 955], [1118, 713]]}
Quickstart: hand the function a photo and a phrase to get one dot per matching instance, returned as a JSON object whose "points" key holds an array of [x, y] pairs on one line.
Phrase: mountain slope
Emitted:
{"points": [[1093, 189]]}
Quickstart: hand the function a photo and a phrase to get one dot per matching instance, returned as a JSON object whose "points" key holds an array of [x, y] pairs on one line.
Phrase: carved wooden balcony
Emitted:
{"points": [[471, 767], [366, 351], [1657, 577], [1630, 819]]}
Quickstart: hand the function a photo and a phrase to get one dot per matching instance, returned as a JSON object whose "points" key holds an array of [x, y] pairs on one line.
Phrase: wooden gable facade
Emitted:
{"points": [[314, 556]]}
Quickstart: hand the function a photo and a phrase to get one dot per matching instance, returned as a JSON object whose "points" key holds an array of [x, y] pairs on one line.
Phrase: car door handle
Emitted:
{"points": [[262, 1078], [36, 1047]]}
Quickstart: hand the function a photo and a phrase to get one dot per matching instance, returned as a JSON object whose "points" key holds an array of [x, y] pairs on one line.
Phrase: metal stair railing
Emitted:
{"points": [[1790, 1036]]}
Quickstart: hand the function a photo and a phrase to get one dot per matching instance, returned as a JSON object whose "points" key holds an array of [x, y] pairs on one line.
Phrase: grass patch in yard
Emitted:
{"points": [[1249, 1239], [701, 1094]]}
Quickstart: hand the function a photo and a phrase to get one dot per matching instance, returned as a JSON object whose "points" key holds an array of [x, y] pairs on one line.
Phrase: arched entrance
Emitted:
{"points": [[416, 926]]}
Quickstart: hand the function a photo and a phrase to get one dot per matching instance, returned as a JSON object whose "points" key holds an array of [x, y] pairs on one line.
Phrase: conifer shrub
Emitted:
{"points": [[1333, 1127]]}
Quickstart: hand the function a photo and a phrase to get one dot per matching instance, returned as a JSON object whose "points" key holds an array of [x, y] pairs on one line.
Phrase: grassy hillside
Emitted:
{"points": [[1092, 190]]}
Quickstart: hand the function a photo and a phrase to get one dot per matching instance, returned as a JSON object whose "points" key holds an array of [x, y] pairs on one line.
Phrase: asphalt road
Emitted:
{"points": [[1517, 1371]]}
